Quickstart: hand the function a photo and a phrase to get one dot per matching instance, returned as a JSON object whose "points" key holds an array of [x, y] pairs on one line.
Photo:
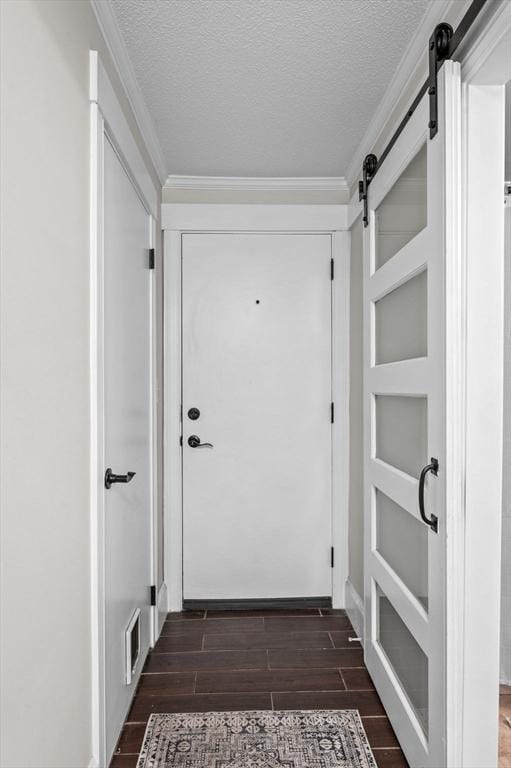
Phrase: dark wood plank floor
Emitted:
{"points": [[225, 661]]}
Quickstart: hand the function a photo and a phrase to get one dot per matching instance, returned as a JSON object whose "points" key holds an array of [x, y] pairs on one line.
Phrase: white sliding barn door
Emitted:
{"points": [[406, 249]]}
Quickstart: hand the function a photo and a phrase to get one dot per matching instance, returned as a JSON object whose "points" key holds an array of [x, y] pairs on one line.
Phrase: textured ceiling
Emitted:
{"points": [[264, 87]]}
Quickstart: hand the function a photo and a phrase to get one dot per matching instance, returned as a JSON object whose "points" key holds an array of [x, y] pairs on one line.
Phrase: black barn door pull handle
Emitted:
{"points": [[110, 478], [433, 520]]}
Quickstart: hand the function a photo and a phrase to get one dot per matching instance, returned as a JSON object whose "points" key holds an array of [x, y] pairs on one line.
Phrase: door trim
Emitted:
{"points": [[107, 123], [474, 677], [303, 219]]}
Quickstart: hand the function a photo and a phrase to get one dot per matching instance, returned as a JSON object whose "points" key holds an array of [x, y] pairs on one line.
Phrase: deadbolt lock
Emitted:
{"points": [[193, 414]]}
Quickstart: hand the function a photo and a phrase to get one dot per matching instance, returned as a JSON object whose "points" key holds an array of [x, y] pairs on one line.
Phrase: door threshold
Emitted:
{"points": [[257, 603]]}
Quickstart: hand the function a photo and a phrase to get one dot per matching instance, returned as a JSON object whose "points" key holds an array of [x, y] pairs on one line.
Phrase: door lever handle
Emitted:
{"points": [[110, 478], [433, 520], [194, 442]]}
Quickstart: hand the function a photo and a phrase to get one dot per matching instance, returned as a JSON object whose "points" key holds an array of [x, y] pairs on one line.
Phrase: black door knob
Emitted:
{"points": [[194, 442], [110, 478]]}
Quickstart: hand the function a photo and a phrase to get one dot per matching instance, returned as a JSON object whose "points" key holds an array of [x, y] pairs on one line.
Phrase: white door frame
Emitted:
{"points": [[485, 67], [179, 219], [108, 123]]}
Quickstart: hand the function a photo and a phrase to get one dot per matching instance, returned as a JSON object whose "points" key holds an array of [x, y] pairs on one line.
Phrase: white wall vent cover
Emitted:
{"points": [[132, 643]]}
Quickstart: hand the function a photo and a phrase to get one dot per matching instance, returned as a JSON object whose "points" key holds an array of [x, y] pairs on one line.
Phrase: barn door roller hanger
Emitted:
{"points": [[442, 45]]}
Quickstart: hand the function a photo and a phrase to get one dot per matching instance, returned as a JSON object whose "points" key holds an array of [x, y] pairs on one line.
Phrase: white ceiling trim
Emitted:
{"points": [[412, 57], [258, 183], [117, 49], [497, 34]]}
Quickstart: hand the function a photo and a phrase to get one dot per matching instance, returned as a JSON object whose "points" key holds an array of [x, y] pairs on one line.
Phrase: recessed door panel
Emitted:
{"points": [[401, 327], [402, 540], [408, 661], [401, 425], [403, 212]]}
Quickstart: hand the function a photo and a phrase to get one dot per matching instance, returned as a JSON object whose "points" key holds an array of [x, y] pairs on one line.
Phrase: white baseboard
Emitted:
{"points": [[505, 665], [93, 763], [162, 598], [162, 608], [355, 609], [174, 600]]}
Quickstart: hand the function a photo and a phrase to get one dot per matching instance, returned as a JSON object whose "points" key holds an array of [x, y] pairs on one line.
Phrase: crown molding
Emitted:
{"points": [[120, 57], [258, 183], [414, 55], [497, 34]]}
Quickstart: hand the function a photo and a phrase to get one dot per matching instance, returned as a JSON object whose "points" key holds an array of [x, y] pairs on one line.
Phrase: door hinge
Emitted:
{"points": [[332, 269], [153, 594], [331, 557], [181, 440], [332, 413], [151, 258], [438, 52]]}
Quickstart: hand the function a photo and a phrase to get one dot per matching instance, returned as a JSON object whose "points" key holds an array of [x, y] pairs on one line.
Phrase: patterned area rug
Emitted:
{"points": [[312, 739]]}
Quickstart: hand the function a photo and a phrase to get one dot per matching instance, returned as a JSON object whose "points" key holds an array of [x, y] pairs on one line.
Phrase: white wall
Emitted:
{"points": [[45, 623]]}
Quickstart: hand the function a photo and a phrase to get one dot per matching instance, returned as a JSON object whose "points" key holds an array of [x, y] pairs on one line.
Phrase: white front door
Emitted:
{"points": [[257, 369], [407, 244], [127, 416]]}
